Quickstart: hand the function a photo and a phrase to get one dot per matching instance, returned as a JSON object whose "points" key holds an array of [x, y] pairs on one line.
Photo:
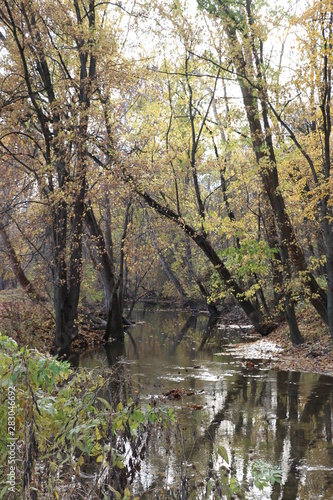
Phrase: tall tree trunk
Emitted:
{"points": [[54, 123], [269, 173], [122, 264], [114, 326], [328, 234], [16, 266], [327, 212], [67, 279], [277, 282]]}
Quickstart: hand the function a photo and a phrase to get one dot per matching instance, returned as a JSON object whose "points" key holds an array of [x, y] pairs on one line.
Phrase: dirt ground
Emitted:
{"points": [[314, 355]]}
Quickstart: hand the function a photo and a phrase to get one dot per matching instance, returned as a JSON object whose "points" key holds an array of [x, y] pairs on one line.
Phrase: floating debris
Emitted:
{"points": [[177, 393], [194, 406], [249, 365]]}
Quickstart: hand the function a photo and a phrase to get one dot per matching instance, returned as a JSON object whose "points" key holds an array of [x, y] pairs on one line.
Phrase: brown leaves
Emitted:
{"points": [[278, 353], [194, 406], [177, 393]]}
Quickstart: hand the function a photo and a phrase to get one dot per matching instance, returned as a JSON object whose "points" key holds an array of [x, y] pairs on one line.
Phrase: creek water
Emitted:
{"points": [[283, 419]]}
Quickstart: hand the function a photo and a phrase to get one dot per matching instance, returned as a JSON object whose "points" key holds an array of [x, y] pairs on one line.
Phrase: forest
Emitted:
{"points": [[139, 140], [175, 153]]}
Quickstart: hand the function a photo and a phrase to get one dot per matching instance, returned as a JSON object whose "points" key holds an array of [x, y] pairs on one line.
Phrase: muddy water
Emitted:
{"points": [[281, 418]]}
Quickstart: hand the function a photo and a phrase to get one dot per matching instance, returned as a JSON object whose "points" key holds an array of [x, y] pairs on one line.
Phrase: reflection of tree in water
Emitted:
{"points": [[287, 398], [302, 428], [305, 429], [190, 323], [285, 418], [211, 324], [120, 388], [236, 397], [133, 446]]}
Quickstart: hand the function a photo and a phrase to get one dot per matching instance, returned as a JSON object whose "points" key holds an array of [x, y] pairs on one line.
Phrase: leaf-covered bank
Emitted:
{"points": [[315, 355]]}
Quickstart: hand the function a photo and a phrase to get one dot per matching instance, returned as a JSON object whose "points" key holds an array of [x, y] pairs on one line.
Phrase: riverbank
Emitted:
{"points": [[33, 325], [315, 355]]}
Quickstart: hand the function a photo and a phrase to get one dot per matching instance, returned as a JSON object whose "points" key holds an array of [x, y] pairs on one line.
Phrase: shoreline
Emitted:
{"points": [[29, 325], [315, 355]]}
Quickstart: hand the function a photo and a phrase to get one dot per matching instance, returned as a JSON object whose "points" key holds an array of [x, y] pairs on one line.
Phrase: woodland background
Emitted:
{"points": [[166, 150]]}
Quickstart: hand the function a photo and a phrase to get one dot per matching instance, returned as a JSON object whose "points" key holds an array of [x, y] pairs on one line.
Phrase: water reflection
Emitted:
{"points": [[282, 418]]}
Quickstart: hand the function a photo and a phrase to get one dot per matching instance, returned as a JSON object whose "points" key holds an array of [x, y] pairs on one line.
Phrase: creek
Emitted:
{"points": [[283, 419]]}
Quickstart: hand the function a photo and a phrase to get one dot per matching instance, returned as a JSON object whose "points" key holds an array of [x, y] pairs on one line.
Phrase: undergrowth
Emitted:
{"points": [[75, 433]]}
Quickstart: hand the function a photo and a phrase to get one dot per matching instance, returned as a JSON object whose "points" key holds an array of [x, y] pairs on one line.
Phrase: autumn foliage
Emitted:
{"points": [[160, 151]]}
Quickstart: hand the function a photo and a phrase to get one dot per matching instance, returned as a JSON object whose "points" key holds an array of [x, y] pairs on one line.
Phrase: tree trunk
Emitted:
{"points": [[17, 268], [328, 234], [67, 281], [254, 314], [248, 66], [269, 175], [114, 326], [122, 264], [212, 309]]}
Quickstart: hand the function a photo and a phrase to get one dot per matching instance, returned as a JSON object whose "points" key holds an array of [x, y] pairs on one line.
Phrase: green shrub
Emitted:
{"points": [[67, 425]]}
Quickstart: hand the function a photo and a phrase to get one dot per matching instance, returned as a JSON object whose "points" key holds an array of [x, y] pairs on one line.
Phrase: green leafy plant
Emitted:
{"points": [[265, 474], [223, 484], [67, 420]]}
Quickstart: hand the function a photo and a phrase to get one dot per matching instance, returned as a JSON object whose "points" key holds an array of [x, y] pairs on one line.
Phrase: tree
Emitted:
{"points": [[14, 209], [49, 80], [245, 39], [308, 127], [182, 196], [104, 258]]}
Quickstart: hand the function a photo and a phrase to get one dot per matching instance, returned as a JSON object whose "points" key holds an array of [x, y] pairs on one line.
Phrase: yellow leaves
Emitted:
{"points": [[78, 464], [98, 434], [127, 494], [119, 496]]}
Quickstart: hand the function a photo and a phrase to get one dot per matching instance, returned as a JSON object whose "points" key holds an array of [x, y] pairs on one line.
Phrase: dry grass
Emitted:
{"points": [[33, 325], [30, 324]]}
